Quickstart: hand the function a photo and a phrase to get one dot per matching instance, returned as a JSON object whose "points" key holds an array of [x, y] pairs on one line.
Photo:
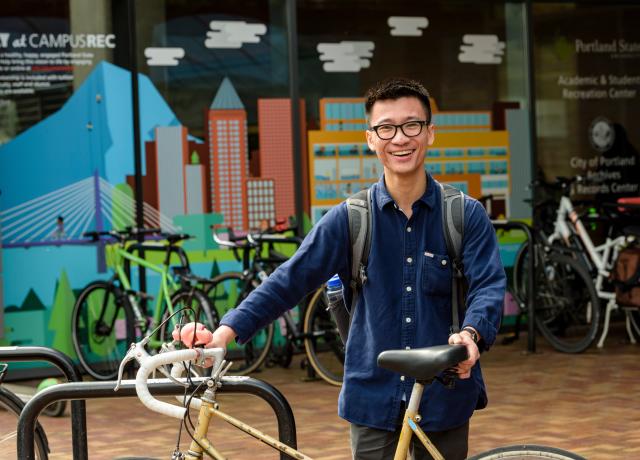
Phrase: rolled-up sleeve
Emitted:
{"points": [[484, 273]]}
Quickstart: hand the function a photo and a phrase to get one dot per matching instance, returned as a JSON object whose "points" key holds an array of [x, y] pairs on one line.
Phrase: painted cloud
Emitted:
{"points": [[163, 56], [345, 56], [407, 26], [233, 34], [481, 49]]}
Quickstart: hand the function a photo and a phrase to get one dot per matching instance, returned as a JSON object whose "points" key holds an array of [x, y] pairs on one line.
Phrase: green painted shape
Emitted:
{"points": [[31, 302], [63, 302], [122, 211], [195, 158], [199, 226]]}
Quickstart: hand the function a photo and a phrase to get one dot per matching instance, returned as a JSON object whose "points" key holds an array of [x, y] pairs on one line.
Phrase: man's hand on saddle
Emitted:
{"points": [[464, 338], [196, 334]]}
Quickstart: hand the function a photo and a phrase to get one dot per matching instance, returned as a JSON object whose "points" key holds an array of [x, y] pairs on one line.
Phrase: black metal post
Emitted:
{"points": [[531, 313], [99, 390], [294, 95], [137, 153], [70, 371]]}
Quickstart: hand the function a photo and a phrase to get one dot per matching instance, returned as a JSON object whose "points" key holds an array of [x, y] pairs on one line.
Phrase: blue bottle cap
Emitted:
{"points": [[334, 282]]}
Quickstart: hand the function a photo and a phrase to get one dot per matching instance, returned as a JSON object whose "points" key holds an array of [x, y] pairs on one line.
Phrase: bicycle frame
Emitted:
{"points": [[167, 285], [209, 408]]}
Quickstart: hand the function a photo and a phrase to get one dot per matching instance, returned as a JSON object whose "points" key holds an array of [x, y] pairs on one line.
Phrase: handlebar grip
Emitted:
{"points": [[149, 364]]}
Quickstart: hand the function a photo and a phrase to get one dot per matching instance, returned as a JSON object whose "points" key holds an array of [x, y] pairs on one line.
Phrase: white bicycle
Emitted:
{"points": [[573, 275]]}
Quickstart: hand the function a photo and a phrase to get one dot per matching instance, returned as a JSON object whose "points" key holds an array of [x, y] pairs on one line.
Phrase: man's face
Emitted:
{"points": [[401, 155]]}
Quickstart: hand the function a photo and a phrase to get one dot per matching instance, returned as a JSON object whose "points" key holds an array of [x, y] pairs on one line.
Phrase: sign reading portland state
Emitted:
{"points": [[606, 85]]}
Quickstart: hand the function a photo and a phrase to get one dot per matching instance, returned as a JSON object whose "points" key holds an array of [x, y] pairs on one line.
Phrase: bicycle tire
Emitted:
{"points": [[10, 408], [527, 452], [225, 292], [100, 351], [520, 270], [322, 342], [567, 304]]}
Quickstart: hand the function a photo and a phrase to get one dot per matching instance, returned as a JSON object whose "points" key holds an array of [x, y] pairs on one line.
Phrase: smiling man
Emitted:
{"points": [[406, 301]]}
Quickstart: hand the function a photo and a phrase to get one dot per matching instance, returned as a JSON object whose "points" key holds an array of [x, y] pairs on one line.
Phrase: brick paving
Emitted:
{"points": [[587, 403]]}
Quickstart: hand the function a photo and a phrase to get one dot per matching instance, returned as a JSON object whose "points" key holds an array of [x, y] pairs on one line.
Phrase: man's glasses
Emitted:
{"points": [[409, 129]]}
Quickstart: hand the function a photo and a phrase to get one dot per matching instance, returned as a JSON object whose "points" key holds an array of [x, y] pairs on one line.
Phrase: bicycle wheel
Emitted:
{"points": [[102, 329], [225, 292], [198, 302], [567, 305], [527, 452], [10, 408], [322, 341]]}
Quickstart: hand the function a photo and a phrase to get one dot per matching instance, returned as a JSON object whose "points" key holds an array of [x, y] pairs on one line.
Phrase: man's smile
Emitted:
{"points": [[401, 153]]}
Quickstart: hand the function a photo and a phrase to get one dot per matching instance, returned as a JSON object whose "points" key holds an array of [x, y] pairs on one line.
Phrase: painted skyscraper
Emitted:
{"points": [[171, 150], [276, 150], [260, 202], [228, 155]]}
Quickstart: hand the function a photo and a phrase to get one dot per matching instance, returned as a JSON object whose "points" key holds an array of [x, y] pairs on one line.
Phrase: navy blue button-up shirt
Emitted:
{"points": [[406, 302]]}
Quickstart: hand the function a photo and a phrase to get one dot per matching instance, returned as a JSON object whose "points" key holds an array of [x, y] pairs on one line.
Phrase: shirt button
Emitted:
{"points": [[402, 378], [407, 319], [409, 260], [444, 262], [409, 229], [408, 288]]}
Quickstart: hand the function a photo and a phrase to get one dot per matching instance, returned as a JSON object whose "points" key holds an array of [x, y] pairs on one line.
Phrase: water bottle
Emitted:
{"points": [[337, 307]]}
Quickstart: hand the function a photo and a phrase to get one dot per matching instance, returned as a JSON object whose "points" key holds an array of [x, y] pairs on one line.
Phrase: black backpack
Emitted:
{"points": [[360, 224]]}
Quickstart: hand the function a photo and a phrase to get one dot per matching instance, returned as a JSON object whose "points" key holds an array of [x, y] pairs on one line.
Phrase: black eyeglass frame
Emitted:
{"points": [[422, 124]]}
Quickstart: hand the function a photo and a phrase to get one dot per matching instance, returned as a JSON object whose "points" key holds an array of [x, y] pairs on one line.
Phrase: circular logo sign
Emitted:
{"points": [[601, 134]]}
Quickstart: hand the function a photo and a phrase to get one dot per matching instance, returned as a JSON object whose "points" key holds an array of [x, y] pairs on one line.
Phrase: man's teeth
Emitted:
{"points": [[402, 153]]}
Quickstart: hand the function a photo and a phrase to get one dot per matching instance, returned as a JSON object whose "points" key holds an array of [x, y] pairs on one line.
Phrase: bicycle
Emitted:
{"points": [[108, 315], [10, 408], [571, 267], [426, 365], [316, 334]]}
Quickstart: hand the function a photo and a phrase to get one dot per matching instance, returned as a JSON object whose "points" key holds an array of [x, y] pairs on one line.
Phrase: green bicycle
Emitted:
{"points": [[108, 315]]}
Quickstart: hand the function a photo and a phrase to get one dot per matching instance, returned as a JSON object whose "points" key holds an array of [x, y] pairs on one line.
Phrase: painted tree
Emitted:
{"points": [[63, 302]]}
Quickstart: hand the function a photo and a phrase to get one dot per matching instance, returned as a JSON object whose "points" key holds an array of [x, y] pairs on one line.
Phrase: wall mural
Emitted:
{"points": [[73, 171]]}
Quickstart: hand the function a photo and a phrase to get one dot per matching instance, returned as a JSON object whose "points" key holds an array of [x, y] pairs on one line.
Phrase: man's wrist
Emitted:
{"points": [[472, 333]]}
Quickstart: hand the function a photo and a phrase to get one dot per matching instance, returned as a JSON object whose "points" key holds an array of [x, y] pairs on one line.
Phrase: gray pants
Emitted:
{"points": [[373, 444]]}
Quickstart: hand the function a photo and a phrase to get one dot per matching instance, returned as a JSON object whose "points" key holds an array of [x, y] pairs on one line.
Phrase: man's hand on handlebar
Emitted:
{"points": [[196, 334]]}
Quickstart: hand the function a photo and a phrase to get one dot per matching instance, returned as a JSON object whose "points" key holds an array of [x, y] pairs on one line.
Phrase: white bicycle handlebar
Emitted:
{"points": [[148, 364]]}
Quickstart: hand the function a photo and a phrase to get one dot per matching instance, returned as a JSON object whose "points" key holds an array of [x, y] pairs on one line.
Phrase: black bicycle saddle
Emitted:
{"points": [[423, 363]]}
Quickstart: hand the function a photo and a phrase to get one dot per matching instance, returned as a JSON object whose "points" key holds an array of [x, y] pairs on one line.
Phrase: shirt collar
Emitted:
{"points": [[383, 198]]}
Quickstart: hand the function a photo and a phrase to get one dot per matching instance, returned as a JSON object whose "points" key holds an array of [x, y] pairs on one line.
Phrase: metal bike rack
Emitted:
{"points": [[70, 371], [526, 229], [164, 387]]}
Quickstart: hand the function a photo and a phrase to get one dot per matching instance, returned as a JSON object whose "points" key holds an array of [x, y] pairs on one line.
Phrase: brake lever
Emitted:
{"points": [[135, 350]]}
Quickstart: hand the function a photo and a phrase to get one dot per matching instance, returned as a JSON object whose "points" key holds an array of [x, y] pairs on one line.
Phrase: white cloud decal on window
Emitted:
{"points": [[345, 56], [233, 34], [163, 56], [407, 26], [481, 49]]}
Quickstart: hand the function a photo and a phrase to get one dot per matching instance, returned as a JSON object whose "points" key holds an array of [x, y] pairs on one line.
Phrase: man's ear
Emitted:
{"points": [[370, 140], [431, 134]]}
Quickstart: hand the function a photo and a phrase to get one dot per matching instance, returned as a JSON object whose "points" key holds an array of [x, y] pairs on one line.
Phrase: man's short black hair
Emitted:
{"points": [[395, 88]]}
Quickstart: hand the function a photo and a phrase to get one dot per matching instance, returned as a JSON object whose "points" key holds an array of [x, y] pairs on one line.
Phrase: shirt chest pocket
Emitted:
{"points": [[436, 274]]}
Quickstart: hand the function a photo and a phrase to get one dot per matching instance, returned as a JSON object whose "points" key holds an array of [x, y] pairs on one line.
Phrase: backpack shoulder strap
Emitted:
{"points": [[360, 224], [452, 201]]}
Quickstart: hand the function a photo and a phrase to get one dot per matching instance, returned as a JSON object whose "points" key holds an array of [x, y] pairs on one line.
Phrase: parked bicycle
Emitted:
{"points": [[10, 407], [572, 274], [109, 315], [429, 366], [316, 335]]}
